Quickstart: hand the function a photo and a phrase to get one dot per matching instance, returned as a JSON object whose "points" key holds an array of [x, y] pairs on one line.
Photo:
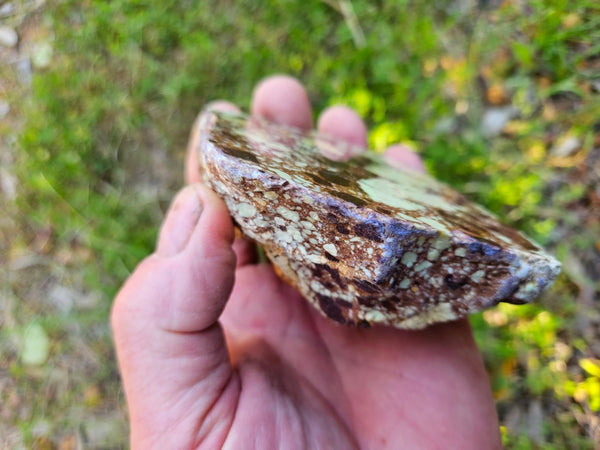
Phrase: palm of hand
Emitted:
{"points": [[330, 386]]}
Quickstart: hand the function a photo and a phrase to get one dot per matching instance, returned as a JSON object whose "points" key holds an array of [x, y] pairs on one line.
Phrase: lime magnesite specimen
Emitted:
{"points": [[363, 242]]}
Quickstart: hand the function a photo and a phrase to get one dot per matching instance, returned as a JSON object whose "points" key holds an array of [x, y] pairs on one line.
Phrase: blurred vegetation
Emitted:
{"points": [[107, 120]]}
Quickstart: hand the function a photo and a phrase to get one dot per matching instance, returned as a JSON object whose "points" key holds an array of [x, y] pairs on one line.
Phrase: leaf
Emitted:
{"points": [[591, 366], [523, 53], [594, 393], [386, 134], [566, 85], [35, 345]]}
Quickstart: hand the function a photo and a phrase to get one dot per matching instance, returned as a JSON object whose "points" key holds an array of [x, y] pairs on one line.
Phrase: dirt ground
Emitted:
{"points": [[40, 283]]}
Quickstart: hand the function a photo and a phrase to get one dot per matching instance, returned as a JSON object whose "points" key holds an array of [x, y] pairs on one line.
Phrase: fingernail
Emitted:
{"points": [[181, 219]]}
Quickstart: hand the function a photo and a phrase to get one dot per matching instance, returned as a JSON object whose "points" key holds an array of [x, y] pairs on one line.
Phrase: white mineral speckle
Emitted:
{"points": [[260, 222], [528, 290], [288, 214], [422, 266], [477, 276], [439, 313], [374, 316], [408, 259], [522, 270], [433, 254], [295, 233], [270, 195], [331, 249], [404, 284], [316, 286], [317, 259], [441, 244], [306, 224], [460, 252], [283, 236], [246, 210], [435, 281], [307, 199]]}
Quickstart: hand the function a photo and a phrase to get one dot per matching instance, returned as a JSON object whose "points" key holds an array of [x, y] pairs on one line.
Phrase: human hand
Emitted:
{"points": [[218, 355]]}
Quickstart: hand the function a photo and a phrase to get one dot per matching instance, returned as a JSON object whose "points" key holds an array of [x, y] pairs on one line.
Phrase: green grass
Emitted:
{"points": [[107, 121]]}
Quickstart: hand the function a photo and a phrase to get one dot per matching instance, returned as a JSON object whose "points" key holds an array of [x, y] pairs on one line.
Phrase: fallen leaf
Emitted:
{"points": [[429, 67], [43, 443], [566, 145], [570, 20], [508, 366], [70, 442], [496, 94], [590, 366], [549, 112], [92, 396], [516, 127], [35, 345]]}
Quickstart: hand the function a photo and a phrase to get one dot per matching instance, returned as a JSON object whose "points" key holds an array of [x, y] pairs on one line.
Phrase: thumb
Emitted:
{"points": [[195, 243], [170, 347]]}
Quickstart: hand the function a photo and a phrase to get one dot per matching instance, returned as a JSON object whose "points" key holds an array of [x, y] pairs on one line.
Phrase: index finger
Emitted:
{"points": [[282, 99]]}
